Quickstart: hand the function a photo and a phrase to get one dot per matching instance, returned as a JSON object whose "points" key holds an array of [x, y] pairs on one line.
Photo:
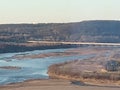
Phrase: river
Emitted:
{"points": [[30, 68]]}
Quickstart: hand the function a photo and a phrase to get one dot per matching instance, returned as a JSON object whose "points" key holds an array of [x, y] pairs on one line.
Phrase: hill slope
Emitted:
{"points": [[87, 31]]}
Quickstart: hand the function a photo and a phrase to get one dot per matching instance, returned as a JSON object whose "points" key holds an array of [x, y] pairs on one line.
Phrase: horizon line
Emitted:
{"points": [[55, 22]]}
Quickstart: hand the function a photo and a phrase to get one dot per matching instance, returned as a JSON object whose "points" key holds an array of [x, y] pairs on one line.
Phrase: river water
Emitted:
{"points": [[30, 68]]}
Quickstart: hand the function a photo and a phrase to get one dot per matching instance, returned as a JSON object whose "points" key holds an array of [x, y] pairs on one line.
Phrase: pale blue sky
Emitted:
{"points": [[47, 11]]}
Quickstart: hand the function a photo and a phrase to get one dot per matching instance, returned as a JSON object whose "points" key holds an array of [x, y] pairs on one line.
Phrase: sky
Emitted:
{"points": [[57, 11]]}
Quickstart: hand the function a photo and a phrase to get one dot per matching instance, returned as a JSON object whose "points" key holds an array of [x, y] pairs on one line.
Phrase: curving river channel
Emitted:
{"points": [[30, 68]]}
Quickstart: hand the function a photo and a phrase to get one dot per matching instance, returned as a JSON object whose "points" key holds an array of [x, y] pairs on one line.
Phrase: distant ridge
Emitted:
{"points": [[107, 31]]}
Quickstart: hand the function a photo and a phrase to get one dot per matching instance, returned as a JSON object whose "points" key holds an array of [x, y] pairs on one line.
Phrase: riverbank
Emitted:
{"points": [[87, 81], [36, 59], [12, 47], [103, 78], [53, 84], [102, 68]]}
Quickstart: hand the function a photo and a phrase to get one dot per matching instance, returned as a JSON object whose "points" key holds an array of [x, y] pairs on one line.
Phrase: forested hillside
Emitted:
{"points": [[86, 31]]}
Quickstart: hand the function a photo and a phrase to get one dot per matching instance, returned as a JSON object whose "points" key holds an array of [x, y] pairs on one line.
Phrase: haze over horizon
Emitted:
{"points": [[57, 11]]}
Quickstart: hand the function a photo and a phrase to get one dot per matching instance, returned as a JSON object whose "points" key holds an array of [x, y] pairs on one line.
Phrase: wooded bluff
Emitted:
{"points": [[85, 31]]}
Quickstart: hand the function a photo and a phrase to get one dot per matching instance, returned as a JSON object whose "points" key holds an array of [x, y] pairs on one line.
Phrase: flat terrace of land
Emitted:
{"points": [[102, 68], [70, 52], [77, 43], [7, 47], [54, 84]]}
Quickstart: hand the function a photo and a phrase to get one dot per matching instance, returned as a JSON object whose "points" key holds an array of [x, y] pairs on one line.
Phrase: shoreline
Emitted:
{"points": [[52, 84], [87, 82], [66, 81], [91, 70], [12, 47]]}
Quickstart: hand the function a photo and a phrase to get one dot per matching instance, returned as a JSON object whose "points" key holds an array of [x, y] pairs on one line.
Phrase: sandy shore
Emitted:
{"points": [[53, 84]]}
